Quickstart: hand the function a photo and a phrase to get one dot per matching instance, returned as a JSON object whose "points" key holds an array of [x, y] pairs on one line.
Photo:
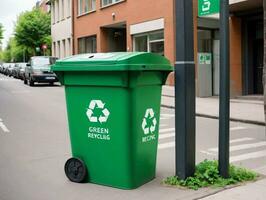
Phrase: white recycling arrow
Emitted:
{"points": [[149, 114], [90, 111], [145, 129], [99, 104]]}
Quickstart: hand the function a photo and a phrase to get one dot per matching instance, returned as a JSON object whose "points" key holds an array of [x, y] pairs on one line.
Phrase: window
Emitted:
{"points": [[58, 50], [68, 8], [109, 2], [69, 47], [85, 6], [57, 11], [64, 48], [141, 43], [53, 12], [87, 45], [150, 42], [62, 10], [54, 49]]}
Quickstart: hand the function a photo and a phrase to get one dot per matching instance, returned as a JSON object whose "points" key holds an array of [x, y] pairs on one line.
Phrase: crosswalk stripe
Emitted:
{"points": [[208, 153], [167, 115], [241, 140], [166, 135], [237, 128], [257, 154], [164, 130], [163, 125], [242, 147], [3, 126], [5, 79], [166, 145]]}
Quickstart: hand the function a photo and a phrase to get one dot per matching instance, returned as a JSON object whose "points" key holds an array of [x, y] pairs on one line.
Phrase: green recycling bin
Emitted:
{"points": [[113, 105]]}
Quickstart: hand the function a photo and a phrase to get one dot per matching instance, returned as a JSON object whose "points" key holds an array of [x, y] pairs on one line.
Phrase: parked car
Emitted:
{"points": [[15, 70], [9, 69], [1, 67], [39, 70], [21, 73]]}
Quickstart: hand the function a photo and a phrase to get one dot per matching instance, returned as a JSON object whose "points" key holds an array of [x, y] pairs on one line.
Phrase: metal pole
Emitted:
{"points": [[184, 90], [224, 112], [24, 55]]}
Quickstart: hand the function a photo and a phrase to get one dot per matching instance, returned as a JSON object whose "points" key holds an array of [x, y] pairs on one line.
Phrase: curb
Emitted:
{"points": [[216, 117]]}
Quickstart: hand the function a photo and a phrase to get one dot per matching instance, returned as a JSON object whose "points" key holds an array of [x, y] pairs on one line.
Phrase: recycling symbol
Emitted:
{"points": [[149, 115], [97, 104]]}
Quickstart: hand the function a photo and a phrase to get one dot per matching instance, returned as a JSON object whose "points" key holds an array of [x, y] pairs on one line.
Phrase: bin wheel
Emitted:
{"points": [[75, 170]]}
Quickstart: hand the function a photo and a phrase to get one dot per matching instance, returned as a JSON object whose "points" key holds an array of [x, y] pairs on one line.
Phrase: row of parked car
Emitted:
{"points": [[37, 70]]}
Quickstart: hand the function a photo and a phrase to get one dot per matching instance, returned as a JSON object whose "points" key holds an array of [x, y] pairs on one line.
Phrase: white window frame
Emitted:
{"points": [[85, 40], [53, 12], [111, 3], [148, 39], [81, 11], [62, 10]]}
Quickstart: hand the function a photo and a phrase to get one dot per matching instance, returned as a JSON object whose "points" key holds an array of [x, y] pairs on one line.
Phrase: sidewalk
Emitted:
{"points": [[254, 190], [247, 111], [242, 110]]}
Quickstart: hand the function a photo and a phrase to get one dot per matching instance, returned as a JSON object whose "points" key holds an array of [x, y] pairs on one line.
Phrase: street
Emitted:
{"points": [[34, 145]]}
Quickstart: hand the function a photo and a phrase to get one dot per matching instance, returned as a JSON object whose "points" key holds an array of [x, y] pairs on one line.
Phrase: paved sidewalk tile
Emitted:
{"points": [[240, 110], [247, 192]]}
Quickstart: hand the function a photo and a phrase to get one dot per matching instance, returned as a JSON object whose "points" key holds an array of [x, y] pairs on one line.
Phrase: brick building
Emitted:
{"points": [[148, 25]]}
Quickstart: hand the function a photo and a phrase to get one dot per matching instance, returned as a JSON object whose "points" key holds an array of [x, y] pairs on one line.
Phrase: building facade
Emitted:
{"points": [[43, 6], [246, 50], [120, 25], [61, 19], [148, 25]]}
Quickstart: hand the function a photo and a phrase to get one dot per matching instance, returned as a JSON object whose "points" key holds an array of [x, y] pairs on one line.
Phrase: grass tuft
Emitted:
{"points": [[207, 174]]}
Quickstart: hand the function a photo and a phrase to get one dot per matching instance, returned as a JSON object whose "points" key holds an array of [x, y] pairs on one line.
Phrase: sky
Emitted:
{"points": [[9, 10]]}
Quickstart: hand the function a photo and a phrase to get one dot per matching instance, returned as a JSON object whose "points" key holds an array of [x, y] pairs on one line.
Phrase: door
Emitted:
{"points": [[258, 66], [204, 66]]}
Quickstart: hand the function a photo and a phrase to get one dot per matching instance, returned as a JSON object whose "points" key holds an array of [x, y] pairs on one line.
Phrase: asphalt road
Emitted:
{"points": [[34, 146]]}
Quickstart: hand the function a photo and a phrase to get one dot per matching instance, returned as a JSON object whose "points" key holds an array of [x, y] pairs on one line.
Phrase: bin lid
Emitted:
{"points": [[118, 61]]}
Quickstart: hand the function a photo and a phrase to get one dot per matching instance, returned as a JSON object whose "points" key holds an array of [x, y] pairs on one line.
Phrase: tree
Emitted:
{"points": [[1, 33], [264, 67], [33, 29], [13, 52]]}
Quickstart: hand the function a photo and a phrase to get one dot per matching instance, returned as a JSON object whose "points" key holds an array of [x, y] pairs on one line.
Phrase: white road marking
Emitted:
{"points": [[166, 145], [237, 128], [167, 115], [242, 147], [163, 125], [241, 140], [7, 79], [3, 126], [208, 153], [164, 130], [247, 156], [166, 135]]}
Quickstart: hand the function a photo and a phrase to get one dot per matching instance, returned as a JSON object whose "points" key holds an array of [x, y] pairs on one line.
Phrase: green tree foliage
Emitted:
{"points": [[33, 29], [1, 33], [14, 52]]}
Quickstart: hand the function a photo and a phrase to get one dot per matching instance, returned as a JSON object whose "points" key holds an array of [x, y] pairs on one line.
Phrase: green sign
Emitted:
{"points": [[208, 7], [205, 58]]}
